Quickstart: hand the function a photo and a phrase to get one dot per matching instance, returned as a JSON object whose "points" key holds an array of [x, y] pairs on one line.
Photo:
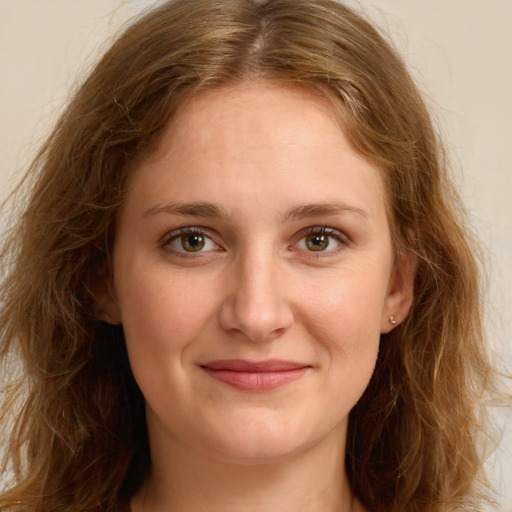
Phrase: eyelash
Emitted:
{"points": [[176, 234], [340, 238]]}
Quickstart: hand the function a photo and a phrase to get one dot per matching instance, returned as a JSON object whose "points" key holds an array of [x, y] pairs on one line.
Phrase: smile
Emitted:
{"points": [[255, 376]]}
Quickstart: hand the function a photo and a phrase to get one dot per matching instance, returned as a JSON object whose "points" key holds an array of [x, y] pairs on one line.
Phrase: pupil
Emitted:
{"points": [[192, 243], [317, 242]]}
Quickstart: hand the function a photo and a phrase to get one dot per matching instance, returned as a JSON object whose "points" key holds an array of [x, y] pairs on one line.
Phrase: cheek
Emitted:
{"points": [[345, 319], [162, 314], [351, 305]]}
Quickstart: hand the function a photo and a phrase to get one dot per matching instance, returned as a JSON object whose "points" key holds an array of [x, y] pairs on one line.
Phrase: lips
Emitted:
{"points": [[255, 375]]}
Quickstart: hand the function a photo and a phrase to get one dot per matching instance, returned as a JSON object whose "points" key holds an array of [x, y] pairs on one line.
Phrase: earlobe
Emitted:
{"points": [[401, 292], [107, 309]]}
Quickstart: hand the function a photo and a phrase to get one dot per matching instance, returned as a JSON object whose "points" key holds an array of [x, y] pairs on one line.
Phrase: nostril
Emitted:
{"points": [[252, 324]]}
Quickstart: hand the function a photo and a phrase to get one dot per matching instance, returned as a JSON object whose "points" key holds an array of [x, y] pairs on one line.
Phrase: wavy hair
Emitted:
{"points": [[77, 436]]}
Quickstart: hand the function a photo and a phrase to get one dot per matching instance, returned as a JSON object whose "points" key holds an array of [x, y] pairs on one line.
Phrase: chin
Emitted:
{"points": [[262, 451], [264, 440]]}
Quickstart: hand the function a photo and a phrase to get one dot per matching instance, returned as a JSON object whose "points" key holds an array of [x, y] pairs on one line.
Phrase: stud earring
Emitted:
{"points": [[392, 320]]}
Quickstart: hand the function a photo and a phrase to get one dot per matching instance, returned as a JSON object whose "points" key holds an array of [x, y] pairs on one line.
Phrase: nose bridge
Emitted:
{"points": [[256, 305]]}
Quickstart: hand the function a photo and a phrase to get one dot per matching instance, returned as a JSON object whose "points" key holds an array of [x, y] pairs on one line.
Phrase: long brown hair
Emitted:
{"points": [[77, 438]]}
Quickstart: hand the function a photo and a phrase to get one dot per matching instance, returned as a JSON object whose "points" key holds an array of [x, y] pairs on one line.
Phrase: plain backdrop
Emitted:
{"points": [[460, 53]]}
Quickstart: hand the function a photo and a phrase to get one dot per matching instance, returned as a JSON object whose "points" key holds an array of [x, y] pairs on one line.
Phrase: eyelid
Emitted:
{"points": [[341, 238], [170, 236]]}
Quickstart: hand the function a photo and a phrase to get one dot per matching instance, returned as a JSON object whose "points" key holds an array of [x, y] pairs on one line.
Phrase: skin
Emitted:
{"points": [[275, 168]]}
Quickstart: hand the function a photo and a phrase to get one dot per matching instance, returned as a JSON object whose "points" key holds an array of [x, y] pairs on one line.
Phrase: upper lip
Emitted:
{"points": [[242, 365]]}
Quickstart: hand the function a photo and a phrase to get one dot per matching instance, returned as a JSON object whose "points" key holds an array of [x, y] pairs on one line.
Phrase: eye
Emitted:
{"points": [[317, 242], [321, 239], [189, 240]]}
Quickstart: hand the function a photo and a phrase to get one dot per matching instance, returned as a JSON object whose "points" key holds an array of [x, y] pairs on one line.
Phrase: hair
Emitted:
{"points": [[76, 418]]}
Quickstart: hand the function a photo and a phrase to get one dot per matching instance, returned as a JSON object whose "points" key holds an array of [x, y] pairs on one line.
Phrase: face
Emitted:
{"points": [[253, 274]]}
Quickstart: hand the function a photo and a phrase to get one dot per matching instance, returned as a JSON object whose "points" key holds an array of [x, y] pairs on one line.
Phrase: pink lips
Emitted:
{"points": [[255, 376]]}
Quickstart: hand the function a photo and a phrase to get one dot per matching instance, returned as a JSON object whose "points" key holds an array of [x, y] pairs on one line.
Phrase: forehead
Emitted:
{"points": [[239, 106], [260, 138]]}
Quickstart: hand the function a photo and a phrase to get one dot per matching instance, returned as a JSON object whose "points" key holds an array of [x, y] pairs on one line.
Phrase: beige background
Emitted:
{"points": [[460, 52]]}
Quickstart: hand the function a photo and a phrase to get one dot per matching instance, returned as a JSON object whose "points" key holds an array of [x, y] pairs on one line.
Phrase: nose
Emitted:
{"points": [[255, 307]]}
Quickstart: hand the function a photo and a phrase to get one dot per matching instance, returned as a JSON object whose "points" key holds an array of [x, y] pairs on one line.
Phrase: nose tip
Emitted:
{"points": [[257, 324], [255, 308]]}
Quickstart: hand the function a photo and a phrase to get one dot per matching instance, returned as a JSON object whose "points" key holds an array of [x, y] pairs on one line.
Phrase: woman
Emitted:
{"points": [[241, 281]]}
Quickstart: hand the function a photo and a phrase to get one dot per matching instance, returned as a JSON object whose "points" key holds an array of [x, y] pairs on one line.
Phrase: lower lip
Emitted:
{"points": [[257, 381]]}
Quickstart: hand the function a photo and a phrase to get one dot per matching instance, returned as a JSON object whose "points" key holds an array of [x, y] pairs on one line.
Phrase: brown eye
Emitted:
{"points": [[322, 240], [189, 240], [317, 242], [193, 242]]}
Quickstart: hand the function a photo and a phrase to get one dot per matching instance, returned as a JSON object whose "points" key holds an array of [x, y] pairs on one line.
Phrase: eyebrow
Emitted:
{"points": [[210, 210], [320, 209], [195, 209]]}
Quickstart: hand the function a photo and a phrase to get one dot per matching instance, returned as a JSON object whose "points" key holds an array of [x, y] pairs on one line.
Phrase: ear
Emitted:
{"points": [[400, 292], [106, 304]]}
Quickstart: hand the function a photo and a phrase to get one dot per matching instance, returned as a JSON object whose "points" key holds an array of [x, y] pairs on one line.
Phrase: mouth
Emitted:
{"points": [[255, 375]]}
